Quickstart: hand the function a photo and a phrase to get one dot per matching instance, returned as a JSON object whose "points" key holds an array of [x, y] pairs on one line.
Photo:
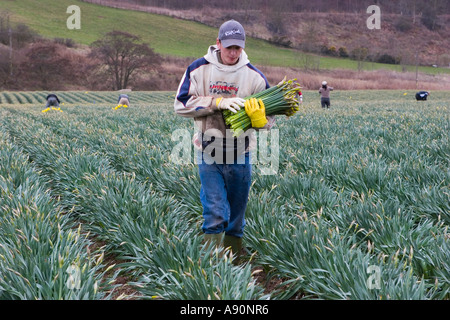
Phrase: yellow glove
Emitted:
{"points": [[256, 110]]}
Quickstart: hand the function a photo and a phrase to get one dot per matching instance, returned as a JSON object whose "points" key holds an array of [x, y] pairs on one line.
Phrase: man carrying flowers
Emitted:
{"points": [[216, 82]]}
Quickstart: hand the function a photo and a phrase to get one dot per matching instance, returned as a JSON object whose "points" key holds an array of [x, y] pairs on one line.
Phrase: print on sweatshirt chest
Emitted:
{"points": [[223, 88]]}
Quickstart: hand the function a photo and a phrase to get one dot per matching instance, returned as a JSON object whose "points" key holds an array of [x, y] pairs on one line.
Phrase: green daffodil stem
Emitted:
{"points": [[278, 100]]}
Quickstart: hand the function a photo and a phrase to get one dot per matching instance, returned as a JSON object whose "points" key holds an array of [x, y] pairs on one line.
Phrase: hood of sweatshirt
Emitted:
{"points": [[212, 57]]}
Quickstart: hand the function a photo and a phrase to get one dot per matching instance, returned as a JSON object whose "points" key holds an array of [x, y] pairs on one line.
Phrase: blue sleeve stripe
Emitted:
{"points": [[260, 73], [183, 95]]}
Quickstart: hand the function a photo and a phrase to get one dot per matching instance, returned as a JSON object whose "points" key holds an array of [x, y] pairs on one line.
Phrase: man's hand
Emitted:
{"points": [[256, 110], [232, 104]]}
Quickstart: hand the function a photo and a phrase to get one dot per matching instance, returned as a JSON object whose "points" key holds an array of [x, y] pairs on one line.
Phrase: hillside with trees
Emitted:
{"points": [[314, 39], [412, 31], [408, 7]]}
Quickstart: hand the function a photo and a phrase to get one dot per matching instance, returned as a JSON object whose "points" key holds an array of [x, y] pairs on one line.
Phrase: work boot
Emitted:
{"points": [[214, 238], [235, 244]]}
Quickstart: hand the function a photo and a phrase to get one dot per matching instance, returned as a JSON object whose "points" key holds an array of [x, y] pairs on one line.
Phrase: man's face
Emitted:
{"points": [[230, 55]]}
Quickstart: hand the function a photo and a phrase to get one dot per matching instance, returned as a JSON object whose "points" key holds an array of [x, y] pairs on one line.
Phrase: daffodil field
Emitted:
{"points": [[359, 207]]}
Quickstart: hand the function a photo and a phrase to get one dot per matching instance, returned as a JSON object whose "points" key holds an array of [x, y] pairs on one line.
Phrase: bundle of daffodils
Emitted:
{"points": [[120, 105], [53, 108], [284, 98]]}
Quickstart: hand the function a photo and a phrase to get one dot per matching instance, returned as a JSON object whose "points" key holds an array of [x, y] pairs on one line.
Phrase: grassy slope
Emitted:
{"points": [[167, 36]]}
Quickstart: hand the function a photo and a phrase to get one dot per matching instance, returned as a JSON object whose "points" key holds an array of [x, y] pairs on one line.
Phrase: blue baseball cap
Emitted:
{"points": [[231, 33]]}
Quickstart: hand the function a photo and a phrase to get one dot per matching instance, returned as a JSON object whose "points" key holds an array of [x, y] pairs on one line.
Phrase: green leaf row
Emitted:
{"points": [[43, 254], [365, 184]]}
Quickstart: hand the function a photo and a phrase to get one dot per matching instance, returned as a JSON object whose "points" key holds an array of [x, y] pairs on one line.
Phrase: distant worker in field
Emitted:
{"points": [[124, 100], [422, 95], [52, 100], [325, 95]]}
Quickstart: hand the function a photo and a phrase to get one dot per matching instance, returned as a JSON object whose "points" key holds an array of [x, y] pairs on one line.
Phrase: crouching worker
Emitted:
{"points": [[52, 101], [123, 101], [422, 95]]}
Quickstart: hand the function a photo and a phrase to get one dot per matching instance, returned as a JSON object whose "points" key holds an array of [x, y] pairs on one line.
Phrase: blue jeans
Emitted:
{"points": [[224, 196]]}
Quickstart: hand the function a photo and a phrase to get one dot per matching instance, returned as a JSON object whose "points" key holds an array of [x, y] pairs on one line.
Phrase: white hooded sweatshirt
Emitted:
{"points": [[207, 79]]}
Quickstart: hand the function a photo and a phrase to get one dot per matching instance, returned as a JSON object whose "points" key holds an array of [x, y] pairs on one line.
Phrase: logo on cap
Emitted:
{"points": [[232, 32]]}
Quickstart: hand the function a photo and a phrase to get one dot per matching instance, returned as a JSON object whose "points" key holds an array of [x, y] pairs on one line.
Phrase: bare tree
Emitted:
{"points": [[123, 56], [5, 66], [45, 67]]}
